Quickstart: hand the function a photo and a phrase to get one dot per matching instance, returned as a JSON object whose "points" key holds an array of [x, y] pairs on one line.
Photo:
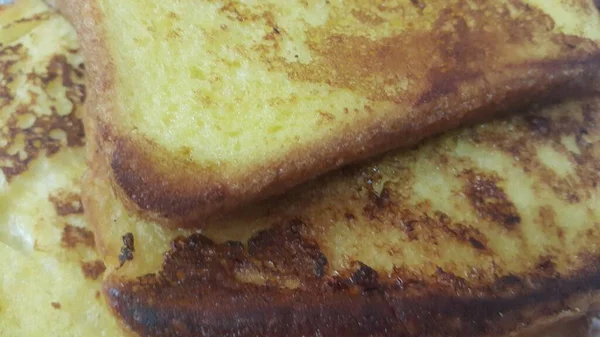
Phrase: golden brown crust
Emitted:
{"points": [[183, 194]]}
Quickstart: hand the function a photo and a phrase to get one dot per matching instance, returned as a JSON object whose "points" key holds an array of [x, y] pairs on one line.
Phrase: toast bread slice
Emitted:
{"points": [[201, 109], [41, 102], [48, 284], [485, 231], [51, 274]]}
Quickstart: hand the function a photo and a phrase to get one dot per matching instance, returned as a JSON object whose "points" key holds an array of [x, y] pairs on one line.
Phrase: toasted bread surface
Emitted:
{"points": [[50, 274], [202, 108], [50, 283], [477, 233]]}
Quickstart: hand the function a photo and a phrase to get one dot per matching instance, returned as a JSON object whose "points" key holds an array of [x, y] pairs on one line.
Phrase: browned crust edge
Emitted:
{"points": [[338, 319], [180, 194], [206, 300]]}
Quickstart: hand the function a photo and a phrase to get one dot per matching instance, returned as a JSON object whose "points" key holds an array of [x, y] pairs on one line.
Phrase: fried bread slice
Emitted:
{"points": [[50, 283], [202, 108], [50, 275], [42, 136], [481, 232]]}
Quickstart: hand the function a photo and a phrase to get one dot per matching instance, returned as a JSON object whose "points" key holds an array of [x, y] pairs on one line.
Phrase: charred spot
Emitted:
{"points": [[378, 201], [127, 249], [383, 199], [289, 251], [402, 280], [489, 200], [320, 265], [66, 203], [508, 283], [589, 114], [365, 277], [59, 67], [572, 198], [93, 269], [128, 242], [539, 124], [408, 227], [443, 218], [420, 4], [281, 251], [461, 232], [55, 305], [546, 266], [477, 244], [73, 235], [194, 240], [456, 282], [336, 283]]}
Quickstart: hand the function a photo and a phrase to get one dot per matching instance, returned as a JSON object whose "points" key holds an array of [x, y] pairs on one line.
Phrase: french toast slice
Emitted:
{"points": [[202, 108], [50, 283], [485, 231], [50, 276]]}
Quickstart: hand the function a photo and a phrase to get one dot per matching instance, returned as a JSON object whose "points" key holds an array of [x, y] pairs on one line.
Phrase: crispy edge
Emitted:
{"points": [[163, 305], [152, 182]]}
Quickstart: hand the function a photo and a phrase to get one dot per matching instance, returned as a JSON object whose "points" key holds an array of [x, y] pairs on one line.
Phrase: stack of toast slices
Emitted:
{"points": [[301, 168]]}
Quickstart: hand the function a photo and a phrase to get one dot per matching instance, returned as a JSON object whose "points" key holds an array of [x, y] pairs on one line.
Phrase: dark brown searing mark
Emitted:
{"points": [[365, 277], [289, 251], [476, 244], [450, 279], [73, 235], [539, 124], [546, 266], [378, 201], [127, 250], [55, 305], [418, 3], [489, 200], [461, 232], [66, 203], [93, 269], [198, 290]]}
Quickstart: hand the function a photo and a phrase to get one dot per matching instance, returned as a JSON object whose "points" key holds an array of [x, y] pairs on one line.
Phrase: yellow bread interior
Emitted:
{"points": [[233, 85]]}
